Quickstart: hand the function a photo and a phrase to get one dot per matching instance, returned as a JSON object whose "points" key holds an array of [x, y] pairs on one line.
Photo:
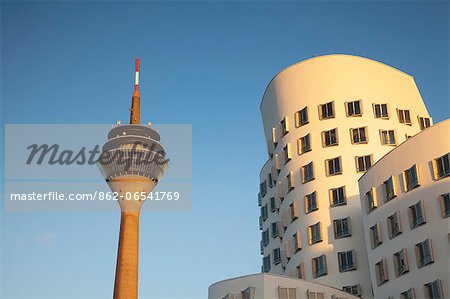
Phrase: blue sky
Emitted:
{"points": [[203, 63]]}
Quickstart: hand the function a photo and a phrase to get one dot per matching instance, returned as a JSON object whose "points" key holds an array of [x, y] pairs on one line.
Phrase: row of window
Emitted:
{"points": [[351, 289], [424, 257], [433, 290], [283, 293], [354, 108], [337, 197], [331, 138], [357, 136], [333, 166], [416, 215], [346, 262], [248, 293], [411, 180], [341, 227]]}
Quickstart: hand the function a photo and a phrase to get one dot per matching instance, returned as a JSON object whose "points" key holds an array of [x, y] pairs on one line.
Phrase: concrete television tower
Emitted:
{"points": [[133, 162]]}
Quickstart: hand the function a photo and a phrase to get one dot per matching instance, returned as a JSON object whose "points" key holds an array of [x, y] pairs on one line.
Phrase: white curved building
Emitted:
{"points": [[326, 121], [405, 197], [269, 286]]}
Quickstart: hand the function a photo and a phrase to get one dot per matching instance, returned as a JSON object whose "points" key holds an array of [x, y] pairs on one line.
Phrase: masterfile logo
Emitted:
{"points": [[53, 154], [55, 167]]}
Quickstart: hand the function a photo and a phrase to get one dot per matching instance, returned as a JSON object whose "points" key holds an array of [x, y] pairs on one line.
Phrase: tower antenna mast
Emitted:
{"points": [[135, 115]]}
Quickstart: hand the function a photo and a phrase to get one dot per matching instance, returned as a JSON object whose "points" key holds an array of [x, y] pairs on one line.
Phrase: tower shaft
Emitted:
{"points": [[126, 282]]}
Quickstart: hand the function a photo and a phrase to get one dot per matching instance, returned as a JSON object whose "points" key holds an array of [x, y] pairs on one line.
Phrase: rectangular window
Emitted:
{"points": [[424, 122], [394, 225], [297, 242], [354, 108], [389, 189], [276, 256], [387, 137], [330, 138], [301, 271], [417, 215], [290, 181], [326, 110], [273, 204], [442, 166], [434, 290], [381, 272], [375, 235], [307, 172], [333, 166], [337, 196], [284, 219], [411, 178], [277, 164], [280, 192], [315, 295], [274, 137], [264, 212], [314, 233], [266, 263], [424, 253], [311, 202], [248, 293], [304, 144], [287, 153], [409, 294], [263, 188], [294, 210], [270, 180], [275, 229], [319, 266], [401, 262], [342, 228], [301, 117], [287, 293], [380, 110], [353, 289], [404, 116], [346, 261], [445, 204], [363, 163], [284, 126], [358, 135], [265, 237], [371, 199]]}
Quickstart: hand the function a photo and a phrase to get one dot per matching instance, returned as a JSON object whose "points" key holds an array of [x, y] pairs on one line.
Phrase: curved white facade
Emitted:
{"points": [[269, 286], [422, 208], [333, 81]]}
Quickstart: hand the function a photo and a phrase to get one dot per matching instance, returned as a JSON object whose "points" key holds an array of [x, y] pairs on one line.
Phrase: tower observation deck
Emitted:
{"points": [[132, 162]]}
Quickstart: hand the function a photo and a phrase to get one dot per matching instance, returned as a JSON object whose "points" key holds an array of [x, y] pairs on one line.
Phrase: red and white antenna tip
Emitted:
{"points": [[137, 64], [136, 79]]}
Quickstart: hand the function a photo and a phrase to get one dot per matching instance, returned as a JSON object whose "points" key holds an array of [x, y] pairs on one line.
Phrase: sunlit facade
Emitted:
{"points": [[270, 286], [405, 199], [326, 121]]}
